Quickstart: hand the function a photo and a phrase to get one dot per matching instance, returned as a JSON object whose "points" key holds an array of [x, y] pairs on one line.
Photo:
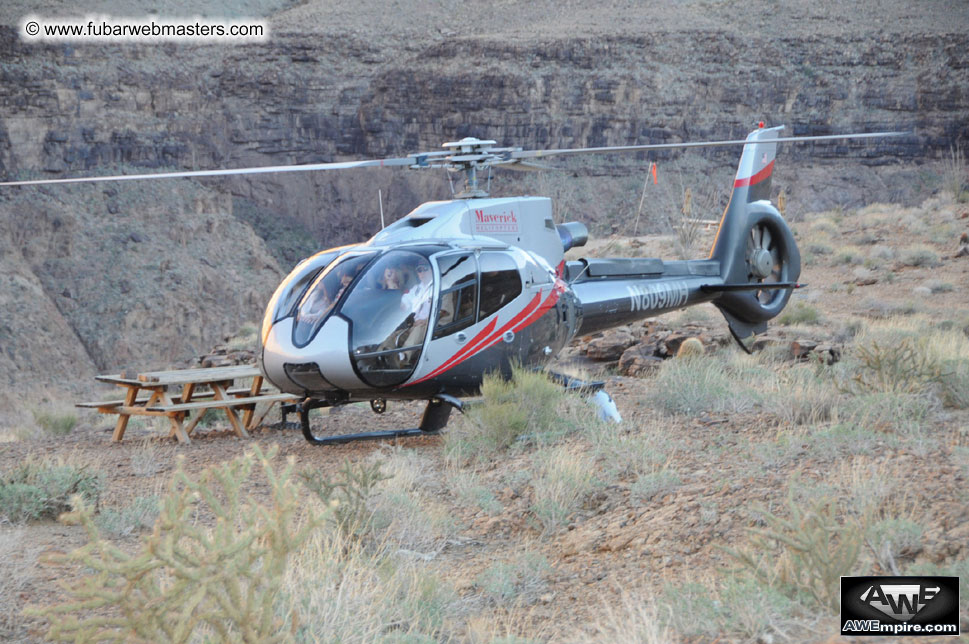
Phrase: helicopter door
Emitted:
{"points": [[500, 282], [459, 294]]}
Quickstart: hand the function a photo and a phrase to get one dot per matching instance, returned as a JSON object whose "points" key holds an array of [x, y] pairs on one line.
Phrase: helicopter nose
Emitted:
{"points": [[322, 365]]}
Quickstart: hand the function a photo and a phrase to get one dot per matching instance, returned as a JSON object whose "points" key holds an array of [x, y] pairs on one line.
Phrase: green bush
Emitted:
{"points": [[43, 489], [527, 408]]}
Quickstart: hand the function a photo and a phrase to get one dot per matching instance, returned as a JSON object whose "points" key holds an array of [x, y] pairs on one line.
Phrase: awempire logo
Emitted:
{"points": [[900, 606]]}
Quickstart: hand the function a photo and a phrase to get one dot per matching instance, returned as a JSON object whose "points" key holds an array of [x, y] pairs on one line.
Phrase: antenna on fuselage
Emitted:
{"points": [[380, 200]]}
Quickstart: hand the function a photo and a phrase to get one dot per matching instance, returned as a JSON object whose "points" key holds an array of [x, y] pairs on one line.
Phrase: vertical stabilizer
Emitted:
{"points": [[754, 244]]}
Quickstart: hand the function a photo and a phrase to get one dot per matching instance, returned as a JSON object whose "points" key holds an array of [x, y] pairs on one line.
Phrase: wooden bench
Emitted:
{"points": [[189, 399]]}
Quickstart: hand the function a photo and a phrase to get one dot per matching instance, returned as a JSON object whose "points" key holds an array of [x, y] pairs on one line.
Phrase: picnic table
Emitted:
{"points": [[177, 394]]}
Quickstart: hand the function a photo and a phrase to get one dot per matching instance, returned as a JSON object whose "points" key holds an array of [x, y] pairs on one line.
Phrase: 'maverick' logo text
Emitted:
{"points": [[490, 222]]}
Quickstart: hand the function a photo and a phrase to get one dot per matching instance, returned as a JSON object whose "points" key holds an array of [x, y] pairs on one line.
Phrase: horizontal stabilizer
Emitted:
{"points": [[753, 286]]}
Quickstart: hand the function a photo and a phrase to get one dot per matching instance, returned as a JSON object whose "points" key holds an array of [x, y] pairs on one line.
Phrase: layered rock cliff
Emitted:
{"points": [[145, 274]]}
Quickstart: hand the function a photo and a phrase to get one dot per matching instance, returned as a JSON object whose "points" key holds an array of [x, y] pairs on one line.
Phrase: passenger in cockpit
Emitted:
{"points": [[392, 279]]}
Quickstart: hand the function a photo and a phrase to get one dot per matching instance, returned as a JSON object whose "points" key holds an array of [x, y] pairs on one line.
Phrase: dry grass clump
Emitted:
{"points": [[18, 557], [799, 313], [340, 590], [805, 396], [694, 386], [635, 619], [563, 478], [469, 490], [55, 423], [955, 175], [735, 605]]}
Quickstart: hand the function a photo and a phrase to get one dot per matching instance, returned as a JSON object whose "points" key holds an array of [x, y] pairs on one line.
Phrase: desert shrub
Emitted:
{"points": [[891, 538], [804, 555], [818, 248], [528, 408], [54, 423], [518, 580], [958, 568], [739, 606], [137, 516], [938, 286], [904, 366], [919, 256], [349, 494], [650, 484], [849, 255], [39, 489], [955, 383], [189, 580]]}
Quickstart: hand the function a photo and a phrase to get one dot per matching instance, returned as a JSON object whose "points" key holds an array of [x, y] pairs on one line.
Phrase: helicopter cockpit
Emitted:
{"points": [[383, 307], [386, 298]]}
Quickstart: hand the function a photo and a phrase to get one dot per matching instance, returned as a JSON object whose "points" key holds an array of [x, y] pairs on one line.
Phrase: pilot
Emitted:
{"points": [[416, 301]]}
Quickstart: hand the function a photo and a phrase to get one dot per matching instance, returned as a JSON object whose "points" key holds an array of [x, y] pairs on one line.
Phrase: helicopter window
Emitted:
{"points": [[459, 294], [500, 282], [323, 295], [389, 307], [300, 277]]}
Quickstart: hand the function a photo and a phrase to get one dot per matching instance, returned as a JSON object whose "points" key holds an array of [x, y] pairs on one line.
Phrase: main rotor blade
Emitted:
{"points": [[533, 154], [340, 165]]}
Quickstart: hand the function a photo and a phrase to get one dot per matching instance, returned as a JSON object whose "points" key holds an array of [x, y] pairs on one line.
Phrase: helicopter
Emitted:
{"points": [[460, 288]]}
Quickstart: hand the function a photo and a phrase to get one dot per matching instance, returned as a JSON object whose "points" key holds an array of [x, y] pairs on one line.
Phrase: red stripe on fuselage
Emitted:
{"points": [[519, 322], [482, 341], [757, 178]]}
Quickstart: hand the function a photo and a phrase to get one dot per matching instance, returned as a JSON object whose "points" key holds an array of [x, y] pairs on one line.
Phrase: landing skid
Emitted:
{"points": [[435, 418]]}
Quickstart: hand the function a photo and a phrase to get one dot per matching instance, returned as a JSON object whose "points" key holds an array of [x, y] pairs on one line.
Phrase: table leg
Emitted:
{"points": [[218, 389], [175, 418], [122, 424], [248, 414]]}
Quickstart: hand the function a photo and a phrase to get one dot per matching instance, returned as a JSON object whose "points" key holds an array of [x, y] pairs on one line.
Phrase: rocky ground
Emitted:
{"points": [[642, 549]]}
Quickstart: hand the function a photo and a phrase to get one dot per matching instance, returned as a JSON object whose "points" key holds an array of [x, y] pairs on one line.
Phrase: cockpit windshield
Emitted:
{"points": [[389, 307], [324, 294]]}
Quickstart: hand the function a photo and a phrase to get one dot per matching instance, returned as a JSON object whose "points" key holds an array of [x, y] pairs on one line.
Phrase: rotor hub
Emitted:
{"points": [[761, 262]]}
